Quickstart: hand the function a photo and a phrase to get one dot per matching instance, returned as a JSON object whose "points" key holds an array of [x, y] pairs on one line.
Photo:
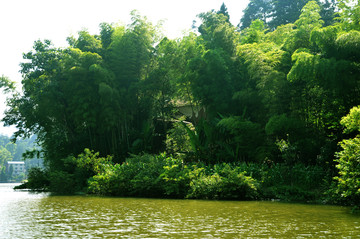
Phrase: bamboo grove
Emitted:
{"points": [[271, 91]]}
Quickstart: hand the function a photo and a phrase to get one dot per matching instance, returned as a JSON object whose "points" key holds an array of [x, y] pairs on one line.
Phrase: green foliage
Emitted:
{"points": [[349, 14], [285, 12], [217, 32], [162, 176], [62, 182], [351, 122], [154, 176], [7, 85], [245, 138], [91, 161], [137, 176], [90, 95], [255, 33], [309, 20], [5, 156], [280, 34], [16, 151], [175, 178], [282, 126], [211, 81], [106, 33], [146, 170], [293, 183], [325, 39], [87, 43], [224, 183], [178, 139], [348, 46], [349, 171], [256, 9], [224, 11], [348, 162], [3, 174], [38, 179], [310, 16]]}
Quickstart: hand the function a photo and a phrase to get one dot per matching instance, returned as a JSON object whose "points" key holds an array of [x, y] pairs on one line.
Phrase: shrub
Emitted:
{"points": [[146, 179], [139, 175], [348, 181], [292, 183], [225, 183], [177, 139], [163, 176], [90, 161], [62, 182], [175, 178], [106, 183], [37, 180]]}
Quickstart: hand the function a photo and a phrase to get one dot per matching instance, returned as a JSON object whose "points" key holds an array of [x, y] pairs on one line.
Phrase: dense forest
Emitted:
{"points": [[265, 109]]}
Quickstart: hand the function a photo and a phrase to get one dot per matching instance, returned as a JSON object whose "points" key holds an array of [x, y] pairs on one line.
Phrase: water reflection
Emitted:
{"points": [[25, 215]]}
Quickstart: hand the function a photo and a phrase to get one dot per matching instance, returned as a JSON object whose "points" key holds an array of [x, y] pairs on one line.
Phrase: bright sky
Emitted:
{"points": [[24, 21]]}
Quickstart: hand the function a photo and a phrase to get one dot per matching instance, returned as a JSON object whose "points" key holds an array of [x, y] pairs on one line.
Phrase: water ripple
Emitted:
{"points": [[26, 215]]}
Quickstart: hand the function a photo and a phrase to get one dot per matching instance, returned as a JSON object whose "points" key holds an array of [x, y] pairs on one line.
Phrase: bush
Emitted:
{"points": [[347, 187], [37, 180], [106, 183], [175, 178], [163, 176], [225, 183], [139, 175], [177, 139], [348, 181], [293, 183], [147, 169], [91, 162], [62, 182]]}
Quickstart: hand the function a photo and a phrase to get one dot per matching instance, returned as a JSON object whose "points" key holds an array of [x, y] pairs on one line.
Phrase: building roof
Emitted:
{"points": [[16, 162]]}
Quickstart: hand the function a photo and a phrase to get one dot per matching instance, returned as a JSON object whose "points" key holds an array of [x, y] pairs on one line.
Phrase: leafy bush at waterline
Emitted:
{"points": [[137, 176], [346, 188], [37, 180], [161, 176], [294, 183], [225, 183], [169, 177]]}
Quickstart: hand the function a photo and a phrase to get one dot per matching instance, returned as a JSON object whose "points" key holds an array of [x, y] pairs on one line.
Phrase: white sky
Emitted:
{"points": [[24, 21]]}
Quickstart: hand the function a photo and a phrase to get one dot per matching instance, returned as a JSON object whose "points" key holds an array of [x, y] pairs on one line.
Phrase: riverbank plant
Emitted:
{"points": [[169, 177], [346, 188], [38, 179], [164, 176]]}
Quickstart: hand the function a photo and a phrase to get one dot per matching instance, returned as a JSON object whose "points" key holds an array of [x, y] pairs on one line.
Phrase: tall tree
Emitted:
{"points": [[90, 95], [213, 71], [285, 11], [308, 20], [349, 14], [224, 11], [256, 9], [275, 13]]}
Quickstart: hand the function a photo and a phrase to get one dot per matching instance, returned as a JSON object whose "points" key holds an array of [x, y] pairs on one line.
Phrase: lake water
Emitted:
{"points": [[39, 215]]}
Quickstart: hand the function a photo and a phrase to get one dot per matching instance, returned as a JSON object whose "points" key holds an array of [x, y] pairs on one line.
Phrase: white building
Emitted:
{"points": [[18, 167]]}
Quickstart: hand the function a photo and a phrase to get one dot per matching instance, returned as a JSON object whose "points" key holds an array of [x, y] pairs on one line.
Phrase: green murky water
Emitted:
{"points": [[29, 215]]}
